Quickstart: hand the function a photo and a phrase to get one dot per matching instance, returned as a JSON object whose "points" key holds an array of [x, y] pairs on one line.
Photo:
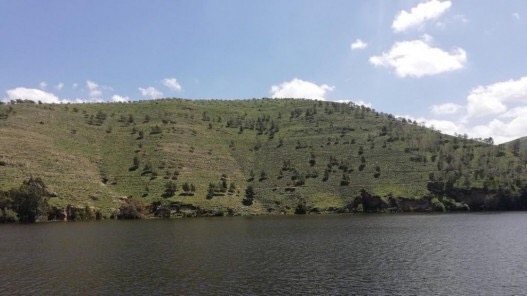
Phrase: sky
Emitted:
{"points": [[458, 66]]}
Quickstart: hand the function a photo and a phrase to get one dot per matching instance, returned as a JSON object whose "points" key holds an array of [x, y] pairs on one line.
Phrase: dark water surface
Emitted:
{"points": [[450, 254]]}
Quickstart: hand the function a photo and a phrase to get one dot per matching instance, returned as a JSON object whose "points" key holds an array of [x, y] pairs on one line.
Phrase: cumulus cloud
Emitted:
{"points": [[497, 110], [490, 99], [31, 94], [172, 84], [516, 16], [43, 85], [298, 88], [445, 126], [150, 92], [74, 85], [59, 86], [358, 102], [501, 131], [448, 108], [46, 97], [418, 58], [358, 44], [93, 88], [419, 14], [515, 112], [120, 99]]}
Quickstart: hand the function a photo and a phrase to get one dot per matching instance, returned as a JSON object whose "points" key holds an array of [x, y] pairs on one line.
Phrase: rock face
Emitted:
{"points": [[73, 213], [57, 214], [438, 200], [180, 210]]}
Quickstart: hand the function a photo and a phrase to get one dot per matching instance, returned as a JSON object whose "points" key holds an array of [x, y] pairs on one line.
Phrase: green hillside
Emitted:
{"points": [[518, 147], [194, 157]]}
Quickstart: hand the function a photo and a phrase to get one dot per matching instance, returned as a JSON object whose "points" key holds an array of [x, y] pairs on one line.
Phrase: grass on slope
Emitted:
{"points": [[292, 152]]}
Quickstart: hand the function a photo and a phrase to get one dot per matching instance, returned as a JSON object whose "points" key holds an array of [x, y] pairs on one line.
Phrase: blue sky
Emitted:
{"points": [[458, 66]]}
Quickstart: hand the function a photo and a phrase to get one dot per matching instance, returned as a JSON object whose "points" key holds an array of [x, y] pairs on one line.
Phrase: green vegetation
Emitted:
{"points": [[29, 202], [176, 157]]}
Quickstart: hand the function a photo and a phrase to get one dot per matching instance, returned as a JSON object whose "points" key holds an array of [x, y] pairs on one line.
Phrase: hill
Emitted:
{"points": [[518, 147], [176, 157]]}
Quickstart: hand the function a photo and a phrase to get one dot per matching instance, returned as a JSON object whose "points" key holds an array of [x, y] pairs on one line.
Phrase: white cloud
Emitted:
{"points": [[501, 131], [419, 14], [516, 16], [417, 58], [448, 108], [363, 103], [298, 88], [358, 44], [490, 99], [74, 86], [172, 84], [43, 84], [31, 94], [515, 112], [95, 91], [36, 95], [358, 103], [497, 110], [118, 98], [445, 126], [59, 86], [150, 92], [427, 38]]}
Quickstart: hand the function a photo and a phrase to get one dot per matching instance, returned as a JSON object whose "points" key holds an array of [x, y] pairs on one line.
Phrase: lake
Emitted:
{"points": [[383, 254]]}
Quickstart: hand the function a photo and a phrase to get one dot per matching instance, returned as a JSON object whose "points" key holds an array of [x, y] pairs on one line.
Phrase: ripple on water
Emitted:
{"points": [[462, 254]]}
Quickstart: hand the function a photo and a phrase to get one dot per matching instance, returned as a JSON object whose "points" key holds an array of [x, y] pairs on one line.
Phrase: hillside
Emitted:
{"points": [[518, 147], [196, 157]]}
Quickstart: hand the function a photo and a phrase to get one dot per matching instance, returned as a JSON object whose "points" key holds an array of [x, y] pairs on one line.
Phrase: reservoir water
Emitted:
{"points": [[432, 254]]}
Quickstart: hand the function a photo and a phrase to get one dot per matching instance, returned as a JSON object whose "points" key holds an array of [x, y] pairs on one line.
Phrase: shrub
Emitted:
{"points": [[132, 209]]}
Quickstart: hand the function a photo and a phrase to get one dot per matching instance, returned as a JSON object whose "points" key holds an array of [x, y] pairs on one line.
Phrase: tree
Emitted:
{"points": [[377, 172], [345, 181], [249, 196], [147, 169], [186, 187], [363, 163], [326, 175], [170, 189], [189, 189], [211, 191], [223, 185], [5, 205], [251, 176], [135, 164], [232, 187], [300, 179], [516, 147], [30, 200], [313, 160], [132, 209], [263, 176], [155, 130]]}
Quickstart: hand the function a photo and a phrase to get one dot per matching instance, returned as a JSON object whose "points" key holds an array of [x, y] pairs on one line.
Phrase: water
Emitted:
{"points": [[448, 254]]}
